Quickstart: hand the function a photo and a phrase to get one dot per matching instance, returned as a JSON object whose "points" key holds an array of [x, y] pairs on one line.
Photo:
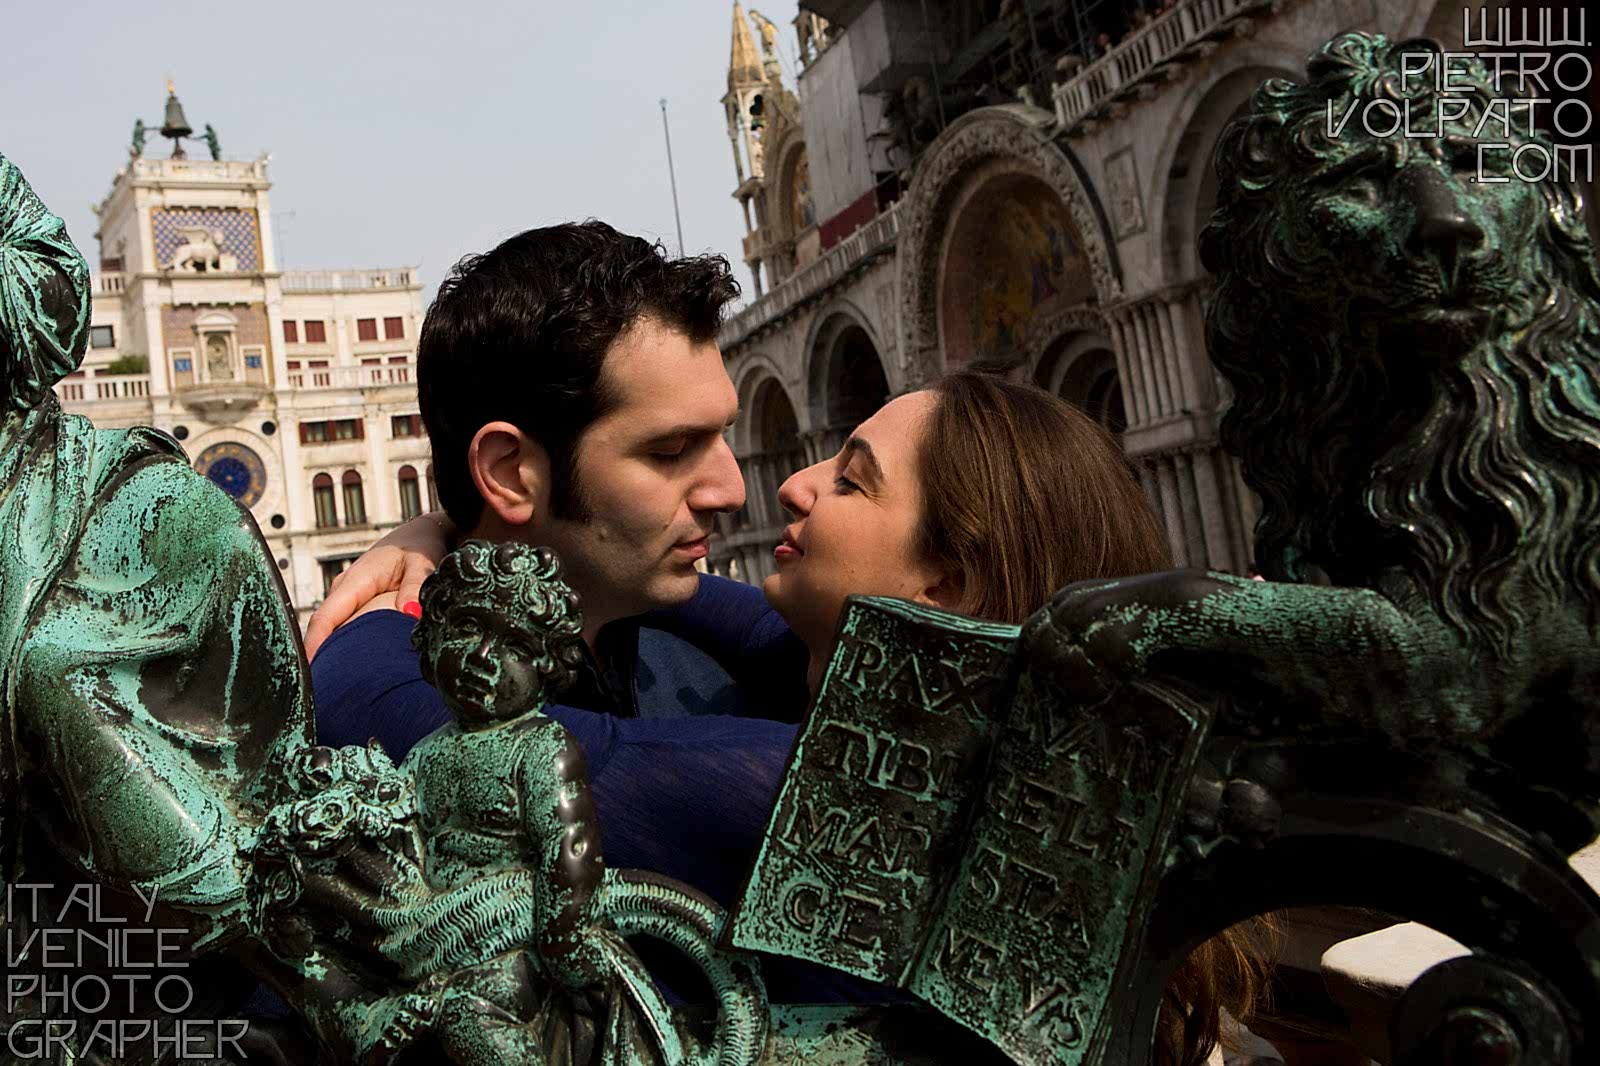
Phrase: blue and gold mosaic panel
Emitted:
{"points": [[241, 233]]}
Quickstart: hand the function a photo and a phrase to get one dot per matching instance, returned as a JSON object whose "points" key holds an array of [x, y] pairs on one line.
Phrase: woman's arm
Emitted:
{"points": [[388, 576]]}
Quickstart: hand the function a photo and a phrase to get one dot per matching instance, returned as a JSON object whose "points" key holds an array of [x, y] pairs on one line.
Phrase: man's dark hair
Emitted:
{"points": [[518, 334]]}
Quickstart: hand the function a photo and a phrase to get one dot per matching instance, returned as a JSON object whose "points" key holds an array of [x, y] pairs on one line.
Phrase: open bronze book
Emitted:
{"points": [[948, 827]]}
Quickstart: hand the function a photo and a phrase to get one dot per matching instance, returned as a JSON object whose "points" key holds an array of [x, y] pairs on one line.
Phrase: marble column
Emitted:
{"points": [[1172, 406]]}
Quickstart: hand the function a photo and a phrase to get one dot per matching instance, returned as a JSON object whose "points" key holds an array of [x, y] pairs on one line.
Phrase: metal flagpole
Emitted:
{"points": [[672, 175]]}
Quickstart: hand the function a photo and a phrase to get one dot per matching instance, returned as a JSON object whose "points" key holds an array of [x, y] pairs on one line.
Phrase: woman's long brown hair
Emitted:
{"points": [[1023, 494]]}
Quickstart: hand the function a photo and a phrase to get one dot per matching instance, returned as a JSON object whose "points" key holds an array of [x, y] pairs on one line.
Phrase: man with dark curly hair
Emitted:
{"points": [[576, 399]]}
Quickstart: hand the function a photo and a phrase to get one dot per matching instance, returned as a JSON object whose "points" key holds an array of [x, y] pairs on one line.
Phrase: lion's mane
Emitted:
{"points": [[1472, 475]]}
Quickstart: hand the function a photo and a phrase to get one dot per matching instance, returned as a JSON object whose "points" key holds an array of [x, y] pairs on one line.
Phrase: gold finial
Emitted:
{"points": [[170, 90]]}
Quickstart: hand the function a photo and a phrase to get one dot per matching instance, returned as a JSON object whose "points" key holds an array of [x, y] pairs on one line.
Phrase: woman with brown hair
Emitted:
{"points": [[975, 495]]}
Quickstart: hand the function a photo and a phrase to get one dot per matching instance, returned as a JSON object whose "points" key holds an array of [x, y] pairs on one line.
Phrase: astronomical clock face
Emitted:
{"points": [[238, 470]]}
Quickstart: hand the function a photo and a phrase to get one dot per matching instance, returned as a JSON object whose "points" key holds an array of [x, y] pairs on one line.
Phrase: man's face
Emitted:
{"points": [[652, 474]]}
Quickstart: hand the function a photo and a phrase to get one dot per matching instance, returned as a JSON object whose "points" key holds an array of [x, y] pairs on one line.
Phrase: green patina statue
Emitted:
{"points": [[150, 661], [505, 789], [1423, 432]]}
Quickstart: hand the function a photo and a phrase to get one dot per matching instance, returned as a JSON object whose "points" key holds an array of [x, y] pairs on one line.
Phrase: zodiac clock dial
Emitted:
{"points": [[236, 469]]}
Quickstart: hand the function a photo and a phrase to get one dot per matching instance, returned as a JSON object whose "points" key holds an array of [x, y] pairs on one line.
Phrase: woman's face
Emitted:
{"points": [[855, 521]]}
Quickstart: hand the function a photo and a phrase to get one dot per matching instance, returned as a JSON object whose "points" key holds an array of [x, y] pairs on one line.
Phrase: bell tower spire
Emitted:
{"points": [[746, 80]]}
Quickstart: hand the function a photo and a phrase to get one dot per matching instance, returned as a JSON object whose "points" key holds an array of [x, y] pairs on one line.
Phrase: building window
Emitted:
{"points": [[347, 429], [355, 504], [313, 432], [315, 333], [405, 426], [399, 369], [255, 358], [331, 568], [322, 497], [366, 329], [102, 337], [291, 331], [433, 492], [394, 328], [182, 367], [410, 494]]}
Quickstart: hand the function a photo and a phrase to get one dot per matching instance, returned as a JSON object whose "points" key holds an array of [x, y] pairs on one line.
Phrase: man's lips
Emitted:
{"points": [[695, 548]]}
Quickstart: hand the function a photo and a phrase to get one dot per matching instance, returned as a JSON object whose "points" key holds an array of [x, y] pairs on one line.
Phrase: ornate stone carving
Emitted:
{"points": [[981, 135], [1123, 193], [1047, 328], [201, 251]]}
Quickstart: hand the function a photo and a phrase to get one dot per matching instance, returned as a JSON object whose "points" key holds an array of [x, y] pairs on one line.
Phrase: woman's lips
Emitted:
{"points": [[787, 549]]}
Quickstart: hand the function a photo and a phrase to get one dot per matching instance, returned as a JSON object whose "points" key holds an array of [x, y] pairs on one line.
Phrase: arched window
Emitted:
{"points": [[322, 497], [433, 491], [410, 495], [355, 504]]}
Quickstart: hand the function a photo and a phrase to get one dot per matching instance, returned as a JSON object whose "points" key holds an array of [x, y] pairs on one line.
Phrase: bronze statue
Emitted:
{"points": [[1423, 432]]}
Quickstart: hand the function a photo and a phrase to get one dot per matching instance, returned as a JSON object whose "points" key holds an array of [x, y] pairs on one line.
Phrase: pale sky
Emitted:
{"points": [[404, 132]]}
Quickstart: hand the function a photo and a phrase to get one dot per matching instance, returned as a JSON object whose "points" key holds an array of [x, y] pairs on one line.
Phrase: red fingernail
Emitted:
{"points": [[413, 608]]}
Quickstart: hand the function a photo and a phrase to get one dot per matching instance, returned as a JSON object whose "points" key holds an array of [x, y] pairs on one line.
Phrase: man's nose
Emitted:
{"points": [[1442, 229], [721, 486]]}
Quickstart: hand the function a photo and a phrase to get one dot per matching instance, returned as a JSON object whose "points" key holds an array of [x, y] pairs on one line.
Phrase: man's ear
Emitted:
{"points": [[511, 472]]}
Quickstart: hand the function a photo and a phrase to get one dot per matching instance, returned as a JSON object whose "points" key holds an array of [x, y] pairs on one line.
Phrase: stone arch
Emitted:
{"points": [[1190, 182], [845, 372], [1013, 137], [788, 154], [753, 372], [778, 452], [1071, 354]]}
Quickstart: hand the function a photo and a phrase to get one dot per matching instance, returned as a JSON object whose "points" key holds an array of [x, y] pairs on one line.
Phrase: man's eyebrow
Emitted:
{"points": [[690, 429], [857, 446]]}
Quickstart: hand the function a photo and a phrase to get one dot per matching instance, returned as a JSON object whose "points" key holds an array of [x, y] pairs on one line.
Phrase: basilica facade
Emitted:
{"points": [[1021, 185]]}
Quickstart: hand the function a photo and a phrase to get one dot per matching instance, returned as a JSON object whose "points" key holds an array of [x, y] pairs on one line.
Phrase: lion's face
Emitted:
{"points": [[1444, 256], [1411, 350]]}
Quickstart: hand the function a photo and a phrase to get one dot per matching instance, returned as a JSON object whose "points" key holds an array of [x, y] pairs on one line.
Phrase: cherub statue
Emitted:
{"points": [[504, 788], [505, 785]]}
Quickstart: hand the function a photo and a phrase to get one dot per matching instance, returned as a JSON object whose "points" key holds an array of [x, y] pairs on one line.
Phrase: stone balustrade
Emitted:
{"points": [[838, 262], [349, 280], [1146, 54]]}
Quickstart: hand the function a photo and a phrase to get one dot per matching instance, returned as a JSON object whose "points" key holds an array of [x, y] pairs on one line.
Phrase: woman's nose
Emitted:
{"points": [[797, 494]]}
